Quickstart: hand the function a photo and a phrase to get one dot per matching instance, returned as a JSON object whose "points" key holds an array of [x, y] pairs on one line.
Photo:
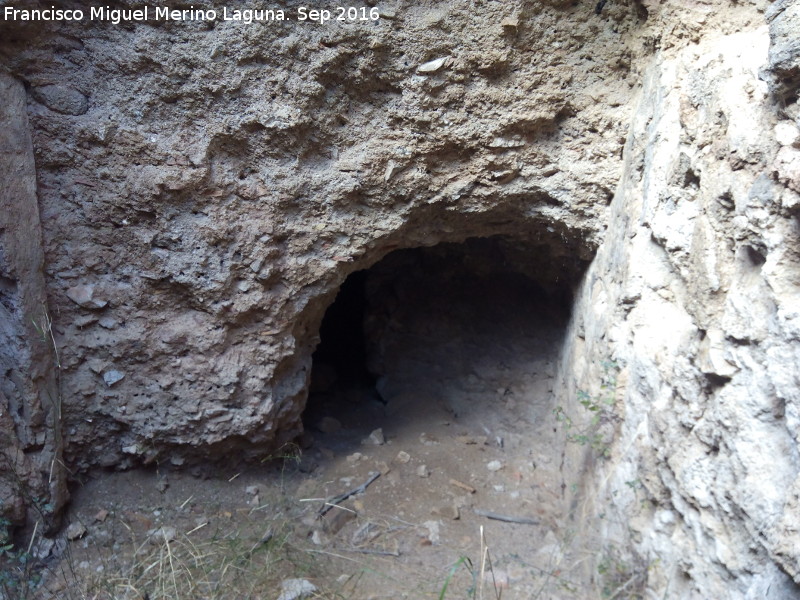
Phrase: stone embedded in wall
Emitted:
{"points": [[61, 99], [713, 358], [112, 377], [84, 296], [787, 167]]}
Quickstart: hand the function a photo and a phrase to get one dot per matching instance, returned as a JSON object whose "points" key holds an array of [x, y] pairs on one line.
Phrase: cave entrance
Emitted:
{"points": [[463, 333], [434, 377]]}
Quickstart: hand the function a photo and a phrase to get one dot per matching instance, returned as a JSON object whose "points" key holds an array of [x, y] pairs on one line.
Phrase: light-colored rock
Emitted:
{"points": [[432, 65], [496, 578], [712, 355], [391, 169], [787, 133], [702, 402], [434, 531], [165, 534], [85, 297], [787, 164], [296, 589], [494, 465], [318, 538], [101, 515], [75, 531], [510, 22], [376, 438], [112, 377]]}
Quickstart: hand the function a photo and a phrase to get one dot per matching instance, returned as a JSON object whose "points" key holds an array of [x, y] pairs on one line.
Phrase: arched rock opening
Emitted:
{"points": [[468, 333]]}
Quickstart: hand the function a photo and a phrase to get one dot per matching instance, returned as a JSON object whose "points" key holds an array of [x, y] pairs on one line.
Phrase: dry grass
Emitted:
{"points": [[177, 566], [246, 567], [249, 561]]}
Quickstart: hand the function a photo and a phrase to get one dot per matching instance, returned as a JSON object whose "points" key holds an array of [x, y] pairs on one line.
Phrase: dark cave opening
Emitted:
{"points": [[457, 307], [342, 345]]}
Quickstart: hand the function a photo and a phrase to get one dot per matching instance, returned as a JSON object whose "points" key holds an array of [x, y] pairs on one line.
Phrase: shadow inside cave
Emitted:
{"points": [[466, 334]]}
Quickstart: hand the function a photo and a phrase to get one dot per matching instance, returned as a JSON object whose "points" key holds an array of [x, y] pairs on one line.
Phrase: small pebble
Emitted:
{"points": [[163, 534], [296, 589], [376, 438], [433, 531], [76, 531], [101, 515]]}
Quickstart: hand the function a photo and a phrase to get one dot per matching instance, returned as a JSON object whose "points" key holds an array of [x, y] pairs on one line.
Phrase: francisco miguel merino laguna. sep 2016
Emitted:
{"points": [[247, 16]]}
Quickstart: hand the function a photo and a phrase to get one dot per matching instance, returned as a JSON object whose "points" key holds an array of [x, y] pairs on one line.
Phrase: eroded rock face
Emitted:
{"points": [[695, 295], [31, 445], [225, 179], [204, 189], [784, 53]]}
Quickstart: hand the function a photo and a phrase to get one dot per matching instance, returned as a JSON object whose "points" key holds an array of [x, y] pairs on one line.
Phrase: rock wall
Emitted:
{"points": [[205, 187], [32, 475], [695, 295]]}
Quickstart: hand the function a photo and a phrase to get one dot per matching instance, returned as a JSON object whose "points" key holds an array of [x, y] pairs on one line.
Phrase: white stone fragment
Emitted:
{"points": [[376, 437], [391, 169], [432, 65], [787, 133], [296, 589], [113, 376]]}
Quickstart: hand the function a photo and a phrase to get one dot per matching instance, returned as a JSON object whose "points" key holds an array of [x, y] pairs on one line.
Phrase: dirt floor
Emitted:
{"points": [[462, 427]]}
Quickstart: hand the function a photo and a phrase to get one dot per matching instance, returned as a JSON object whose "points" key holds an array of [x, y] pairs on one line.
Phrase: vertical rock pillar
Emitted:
{"points": [[32, 475]]}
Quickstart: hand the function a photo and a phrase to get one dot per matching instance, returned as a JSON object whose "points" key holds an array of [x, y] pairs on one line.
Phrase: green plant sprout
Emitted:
{"points": [[601, 408]]}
